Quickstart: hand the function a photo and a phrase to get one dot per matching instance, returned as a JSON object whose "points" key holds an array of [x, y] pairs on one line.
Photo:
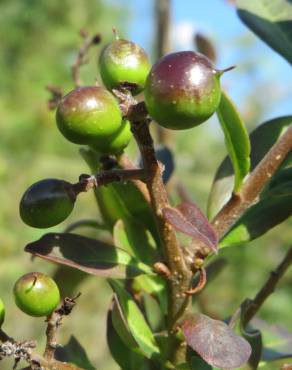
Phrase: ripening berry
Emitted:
{"points": [[182, 90], [89, 115], [124, 61], [116, 143], [46, 203], [36, 294]]}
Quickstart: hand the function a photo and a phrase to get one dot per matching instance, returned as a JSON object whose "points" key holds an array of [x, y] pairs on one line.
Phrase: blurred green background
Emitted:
{"points": [[38, 46]]}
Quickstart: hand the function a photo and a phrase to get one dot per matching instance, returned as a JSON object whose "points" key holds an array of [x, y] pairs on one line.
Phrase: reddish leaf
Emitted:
{"points": [[88, 255], [215, 342], [189, 219]]}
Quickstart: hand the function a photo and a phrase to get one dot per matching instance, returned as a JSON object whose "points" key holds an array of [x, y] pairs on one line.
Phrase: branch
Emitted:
{"points": [[268, 287], [251, 189], [181, 276], [81, 59], [54, 321], [87, 182]]}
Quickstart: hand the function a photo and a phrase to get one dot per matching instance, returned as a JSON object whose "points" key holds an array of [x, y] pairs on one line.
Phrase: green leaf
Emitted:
{"points": [[154, 285], [132, 236], [260, 218], [271, 20], [88, 255], [236, 139], [120, 200], [261, 139], [125, 358], [135, 321], [153, 313], [121, 326], [73, 353]]}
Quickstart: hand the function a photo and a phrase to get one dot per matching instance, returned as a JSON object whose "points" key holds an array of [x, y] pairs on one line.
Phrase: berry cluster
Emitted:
{"points": [[181, 91]]}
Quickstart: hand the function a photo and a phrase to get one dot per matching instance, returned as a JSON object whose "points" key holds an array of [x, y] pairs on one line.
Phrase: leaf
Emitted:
{"points": [[121, 326], [132, 236], [189, 219], [165, 156], [120, 200], [88, 255], [271, 21], [236, 139], [260, 218], [84, 223], [153, 312], [136, 321], [261, 140], [74, 353], [215, 342], [126, 359]]}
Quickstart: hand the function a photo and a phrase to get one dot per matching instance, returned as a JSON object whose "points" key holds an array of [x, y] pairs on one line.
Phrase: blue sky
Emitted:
{"points": [[257, 65]]}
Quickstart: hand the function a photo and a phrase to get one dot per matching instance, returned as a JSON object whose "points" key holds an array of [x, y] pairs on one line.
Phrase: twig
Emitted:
{"points": [[54, 321], [81, 59], [268, 287], [87, 182], [251, 189]]}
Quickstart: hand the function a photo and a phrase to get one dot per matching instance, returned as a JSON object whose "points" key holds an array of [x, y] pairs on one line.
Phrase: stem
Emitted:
{"points": [[51, 333], [82, 55], [251, 189], [180, 275], [87, 182], [268, 288]]}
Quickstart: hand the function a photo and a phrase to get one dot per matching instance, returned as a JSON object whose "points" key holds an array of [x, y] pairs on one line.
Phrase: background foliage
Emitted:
{"points": [[38, 48]]}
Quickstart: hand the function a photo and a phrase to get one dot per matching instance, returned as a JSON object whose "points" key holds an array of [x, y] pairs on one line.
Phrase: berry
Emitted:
{"points": [[88, 115], [116, 143], [47, 203], [124, 61], [182, 90], [36, 294], [2, 312]]}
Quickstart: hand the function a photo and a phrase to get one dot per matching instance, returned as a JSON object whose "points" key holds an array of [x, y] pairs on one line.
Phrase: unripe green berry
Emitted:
{"points": [[116, 143], [88, 115], [2, 312], [36, 294], [124, 61], [182, 90], [46, 203]]}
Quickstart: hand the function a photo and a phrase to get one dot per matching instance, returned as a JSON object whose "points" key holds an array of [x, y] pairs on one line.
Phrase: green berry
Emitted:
{"points": [[88, 115], [116, 143], [36, 294], [47, 203], [182, 90], [124, 61], [2, 312]]}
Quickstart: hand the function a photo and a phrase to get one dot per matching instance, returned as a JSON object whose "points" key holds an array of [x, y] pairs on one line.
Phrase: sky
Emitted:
{"points": [[257, 65]]}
